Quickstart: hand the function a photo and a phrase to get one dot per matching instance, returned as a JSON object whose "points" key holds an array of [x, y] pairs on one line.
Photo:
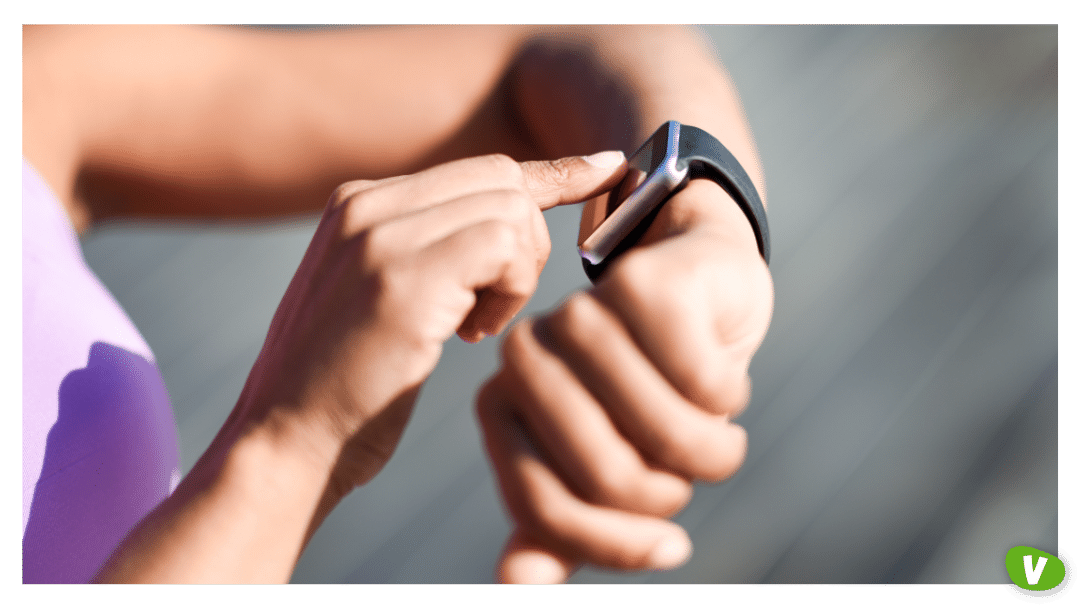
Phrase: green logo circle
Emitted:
{"points": [[1034, 570]]}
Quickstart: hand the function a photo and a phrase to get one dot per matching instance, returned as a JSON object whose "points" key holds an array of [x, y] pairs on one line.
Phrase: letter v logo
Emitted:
{"points": [[1034, 570], [1033, 574]]}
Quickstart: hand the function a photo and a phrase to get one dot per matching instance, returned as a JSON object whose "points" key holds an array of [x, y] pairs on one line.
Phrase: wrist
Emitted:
{"points": [[279, 451], [280, 489], [704, 206], [242, 515], [262, 455]]}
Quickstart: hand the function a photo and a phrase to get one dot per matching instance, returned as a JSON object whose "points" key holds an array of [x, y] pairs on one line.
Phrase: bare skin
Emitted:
{"points": [[226, 123]]}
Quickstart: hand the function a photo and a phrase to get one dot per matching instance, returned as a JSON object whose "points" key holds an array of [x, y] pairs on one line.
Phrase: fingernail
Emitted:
{"points": [[606, 160], [672, 552]]}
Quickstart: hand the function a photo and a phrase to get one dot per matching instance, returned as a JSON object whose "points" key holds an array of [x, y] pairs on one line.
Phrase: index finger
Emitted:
{"points": [[572, 179], [549, 183]]}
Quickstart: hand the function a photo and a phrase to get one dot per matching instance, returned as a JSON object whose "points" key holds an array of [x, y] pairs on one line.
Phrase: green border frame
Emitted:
{"points": [[563, 11]]}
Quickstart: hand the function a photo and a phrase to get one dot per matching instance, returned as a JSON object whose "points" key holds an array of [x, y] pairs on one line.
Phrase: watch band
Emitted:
{"points": [[709, 159], [701, 156]]}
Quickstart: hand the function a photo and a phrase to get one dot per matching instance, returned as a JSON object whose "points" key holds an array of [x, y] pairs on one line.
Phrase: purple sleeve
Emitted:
{"points": [[100, 446]]}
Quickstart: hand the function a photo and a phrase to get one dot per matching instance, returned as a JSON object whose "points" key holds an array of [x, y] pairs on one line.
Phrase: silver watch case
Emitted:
{"points": [[656, 185]]}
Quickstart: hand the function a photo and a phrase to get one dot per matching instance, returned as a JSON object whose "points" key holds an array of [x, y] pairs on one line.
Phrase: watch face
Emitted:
{"points": [[651, 177]]}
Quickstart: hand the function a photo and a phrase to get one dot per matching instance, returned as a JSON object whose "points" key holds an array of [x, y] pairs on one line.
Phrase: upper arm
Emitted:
{"points": [[222, 121]]}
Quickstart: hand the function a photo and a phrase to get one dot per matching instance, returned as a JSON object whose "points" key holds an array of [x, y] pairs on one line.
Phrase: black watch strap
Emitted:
{"points": [[709, 159], [705, 158]]}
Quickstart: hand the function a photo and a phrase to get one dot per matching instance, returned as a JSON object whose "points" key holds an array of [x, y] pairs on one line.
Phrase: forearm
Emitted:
{"points": [[242, 515]]}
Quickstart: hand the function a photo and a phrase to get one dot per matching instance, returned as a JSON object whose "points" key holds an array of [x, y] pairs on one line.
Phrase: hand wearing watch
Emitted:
{"points": [[663, 165]]}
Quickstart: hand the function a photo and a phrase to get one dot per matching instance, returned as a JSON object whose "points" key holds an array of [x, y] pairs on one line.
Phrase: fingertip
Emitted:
{"points": [[525, 562], [532, 567], [573, 179], [671, 552], [489, 316], [468, 330], [471, 337], [609, 159]]}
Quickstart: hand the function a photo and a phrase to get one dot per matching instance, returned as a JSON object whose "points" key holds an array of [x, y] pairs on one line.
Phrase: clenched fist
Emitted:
{"points": [[607, 409]]}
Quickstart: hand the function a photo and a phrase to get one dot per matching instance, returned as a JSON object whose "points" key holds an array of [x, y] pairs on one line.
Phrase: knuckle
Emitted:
{"points": [[726, 455], [615, 483], [505, 245], [644, 276], [501, 164], [577, 315], [395, 294], [737, 395], [703, 380], [345, 194], [708, 451], [518, 207], [677, 499], [562, 169], [376, 247], [555, 174], [681, 450], [517, 344], [539, 511], [519, 287], [501, 237], [629, 275], [355, 210], [723, 387], [543, 244]]}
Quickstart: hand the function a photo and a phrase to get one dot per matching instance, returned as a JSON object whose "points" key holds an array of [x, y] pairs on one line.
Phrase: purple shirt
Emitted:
{"points": [[100, 446]]}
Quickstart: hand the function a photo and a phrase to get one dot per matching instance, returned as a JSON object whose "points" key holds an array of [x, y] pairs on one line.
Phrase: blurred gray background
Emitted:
{"points": [[903, 426]]}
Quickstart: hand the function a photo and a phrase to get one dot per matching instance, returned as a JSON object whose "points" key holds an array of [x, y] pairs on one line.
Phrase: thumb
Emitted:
{"points": [[573, 179]]}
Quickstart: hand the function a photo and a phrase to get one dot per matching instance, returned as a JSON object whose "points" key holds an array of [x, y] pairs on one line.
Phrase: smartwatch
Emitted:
{"points": [[663, 165]]}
